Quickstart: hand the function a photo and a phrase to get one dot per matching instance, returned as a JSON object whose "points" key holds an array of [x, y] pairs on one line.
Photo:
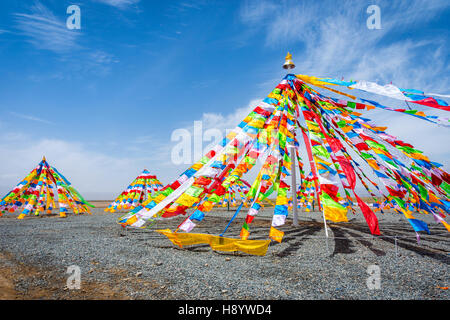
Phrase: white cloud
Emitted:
{"points": [[143, 139], [95, 174], [219, 122], [46, 31], [256, 11], [30, 117], [95, 62], [334, 41], [121, 4], [228, 121]]}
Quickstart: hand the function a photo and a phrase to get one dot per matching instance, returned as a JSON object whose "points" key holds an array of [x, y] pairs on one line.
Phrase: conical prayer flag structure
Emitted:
{"points": [[337, 139], [137, 192], [36, 194]]}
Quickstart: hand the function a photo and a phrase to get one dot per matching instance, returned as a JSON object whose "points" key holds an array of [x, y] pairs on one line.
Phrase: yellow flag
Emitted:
{"points": [[244, 234], [186, 200], [275, 234], [131, 220], [335, 214]]}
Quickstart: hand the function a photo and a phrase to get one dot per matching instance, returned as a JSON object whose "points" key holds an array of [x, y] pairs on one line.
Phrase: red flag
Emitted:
{"points": [[348, 170], [331, 190], [362, 146], [436, 180], [431, 102], [335, 144], [220, 191], [179, 210], [396, 193], [371, 218], [203, 181]]}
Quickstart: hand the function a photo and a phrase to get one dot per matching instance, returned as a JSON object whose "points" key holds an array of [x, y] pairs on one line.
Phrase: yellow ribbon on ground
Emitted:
{"points": [[255, 247]]}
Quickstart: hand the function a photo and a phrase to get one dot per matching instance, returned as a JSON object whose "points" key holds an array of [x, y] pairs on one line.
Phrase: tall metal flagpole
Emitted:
{"points": [[289, 65], [294, 187]]}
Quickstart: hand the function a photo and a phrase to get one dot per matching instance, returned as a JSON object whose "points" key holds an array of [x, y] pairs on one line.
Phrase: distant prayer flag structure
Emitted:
{"points": [[306, 193], [36, 194], [236, 193], [137, 192], [337, 138]]}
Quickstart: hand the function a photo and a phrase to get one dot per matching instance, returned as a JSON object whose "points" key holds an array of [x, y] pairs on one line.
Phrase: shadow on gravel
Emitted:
{"points": [[346, 237], [411, 245], [368, 244], [404, 241], [342, 244], [294, 240]]}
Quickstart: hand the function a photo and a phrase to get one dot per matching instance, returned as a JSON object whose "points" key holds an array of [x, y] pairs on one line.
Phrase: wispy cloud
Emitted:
{"points": [[228, 121], [30, 117], [98, 62], [143, 139], [121, 4], [46, 31], [335, 41], [184, 6]]}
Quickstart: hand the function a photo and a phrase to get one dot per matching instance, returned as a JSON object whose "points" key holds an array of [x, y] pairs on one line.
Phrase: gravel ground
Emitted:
{"points": [[142, 264]]}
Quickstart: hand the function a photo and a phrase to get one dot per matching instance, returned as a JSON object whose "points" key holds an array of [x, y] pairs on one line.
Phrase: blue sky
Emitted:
{"points": [[102, 102]]}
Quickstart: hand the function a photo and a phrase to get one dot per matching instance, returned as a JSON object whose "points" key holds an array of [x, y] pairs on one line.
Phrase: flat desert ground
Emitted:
{"points": [[118, 263]]}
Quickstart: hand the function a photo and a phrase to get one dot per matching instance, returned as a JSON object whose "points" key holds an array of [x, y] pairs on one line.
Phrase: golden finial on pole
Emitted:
{"points": [[43, 158], [288, 64]]}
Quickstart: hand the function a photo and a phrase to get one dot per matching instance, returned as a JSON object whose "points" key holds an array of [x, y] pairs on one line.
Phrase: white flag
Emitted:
{"points": [[187, 226]]}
